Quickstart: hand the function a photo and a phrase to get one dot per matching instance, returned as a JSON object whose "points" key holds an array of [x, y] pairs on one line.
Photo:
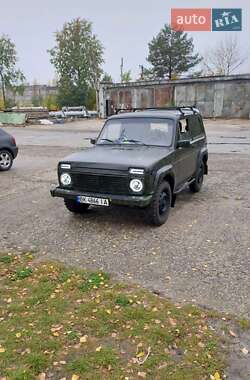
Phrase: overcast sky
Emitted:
{"points": [[124, 27]]}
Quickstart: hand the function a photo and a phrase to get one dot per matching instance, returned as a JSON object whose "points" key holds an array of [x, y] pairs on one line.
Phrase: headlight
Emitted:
{"points": [[136, 185], [65, 179]]}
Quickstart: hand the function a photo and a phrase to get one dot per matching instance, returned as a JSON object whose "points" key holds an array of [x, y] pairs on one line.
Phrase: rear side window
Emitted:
{"points": [[195, 126]]}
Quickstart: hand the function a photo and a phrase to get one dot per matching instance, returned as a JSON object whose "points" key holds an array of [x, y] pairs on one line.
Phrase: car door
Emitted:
{"points": [[185, 157], [197, 135]]}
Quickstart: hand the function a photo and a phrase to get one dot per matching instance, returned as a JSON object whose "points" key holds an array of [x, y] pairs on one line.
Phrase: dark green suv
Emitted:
{"points": [[141, 159]]}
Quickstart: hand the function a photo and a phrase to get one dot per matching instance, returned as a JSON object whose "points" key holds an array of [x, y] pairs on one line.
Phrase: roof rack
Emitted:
{"points": [[181, 109]]}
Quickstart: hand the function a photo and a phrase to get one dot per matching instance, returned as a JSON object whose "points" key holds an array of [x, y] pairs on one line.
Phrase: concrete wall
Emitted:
{"points": [[227, 97], [31, 92]]}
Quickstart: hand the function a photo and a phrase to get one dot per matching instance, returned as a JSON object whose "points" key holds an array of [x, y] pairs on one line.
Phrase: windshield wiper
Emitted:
{"points": [[135, 141], [112, 141]]}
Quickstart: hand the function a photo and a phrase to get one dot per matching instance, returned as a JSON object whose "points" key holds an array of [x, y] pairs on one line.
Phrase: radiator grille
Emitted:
{"points": [[106, 184]]}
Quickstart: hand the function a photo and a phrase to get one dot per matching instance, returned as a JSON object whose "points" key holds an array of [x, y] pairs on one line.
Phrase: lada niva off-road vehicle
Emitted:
{"points": [[140, 159]]}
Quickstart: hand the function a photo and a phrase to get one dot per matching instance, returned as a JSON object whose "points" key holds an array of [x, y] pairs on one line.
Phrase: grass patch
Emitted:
{"points": [[122, 300], [244, 324], [66, 322], [22, 273]]}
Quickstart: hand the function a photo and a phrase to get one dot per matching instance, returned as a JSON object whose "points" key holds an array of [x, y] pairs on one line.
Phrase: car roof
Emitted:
{"points": [[168, 114]]}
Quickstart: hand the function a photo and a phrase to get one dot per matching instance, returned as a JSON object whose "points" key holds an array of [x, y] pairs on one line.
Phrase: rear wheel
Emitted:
{"points": [[196, 186], [158, 210], [75, 207], [6, 160]]}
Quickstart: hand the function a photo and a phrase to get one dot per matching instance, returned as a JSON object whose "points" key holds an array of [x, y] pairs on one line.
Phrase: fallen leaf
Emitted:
{"points": [[41, 376], [172, 322], [2, 349], [83, 339], [244, 351], [142, 375], [232, 334], [75, 377], [140, 354], [18, 335], [217, 376], [98, 349]]}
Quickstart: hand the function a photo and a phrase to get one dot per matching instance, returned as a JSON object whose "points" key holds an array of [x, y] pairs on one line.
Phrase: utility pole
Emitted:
{"points": [[142, 71], [121, 69]]}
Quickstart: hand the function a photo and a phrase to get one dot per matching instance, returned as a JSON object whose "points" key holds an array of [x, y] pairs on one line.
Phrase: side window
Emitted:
{"points": [[195, 126], [183, 130], [113, 131]]}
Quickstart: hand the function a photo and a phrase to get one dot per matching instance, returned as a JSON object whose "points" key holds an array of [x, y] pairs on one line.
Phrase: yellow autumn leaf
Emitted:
{"points": [[75, 377], [83, 339], [108, 311], [140, 354], [217, 376], [98, 349], [2, 349], [18, 335]]}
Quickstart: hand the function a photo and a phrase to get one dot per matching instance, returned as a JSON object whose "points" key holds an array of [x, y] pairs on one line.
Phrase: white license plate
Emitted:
{"points": [[93, 200]]}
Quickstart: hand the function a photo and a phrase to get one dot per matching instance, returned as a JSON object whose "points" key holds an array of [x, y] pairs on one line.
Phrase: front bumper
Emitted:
{"points": [[123, 200]]}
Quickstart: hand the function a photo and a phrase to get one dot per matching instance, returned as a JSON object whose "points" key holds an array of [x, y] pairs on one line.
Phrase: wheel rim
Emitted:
{"points": [[163, 203], [200, 176], [5, 160]]}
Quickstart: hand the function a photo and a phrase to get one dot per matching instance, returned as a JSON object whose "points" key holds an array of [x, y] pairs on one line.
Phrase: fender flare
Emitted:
{"points": [[203, 154], [163, 172]]}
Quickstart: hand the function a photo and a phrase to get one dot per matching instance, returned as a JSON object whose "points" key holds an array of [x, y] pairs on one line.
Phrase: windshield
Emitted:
{"points": [[141, 131]]}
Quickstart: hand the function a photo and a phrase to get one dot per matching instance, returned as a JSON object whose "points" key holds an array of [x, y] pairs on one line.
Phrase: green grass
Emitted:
{"points": [[67, 322]]}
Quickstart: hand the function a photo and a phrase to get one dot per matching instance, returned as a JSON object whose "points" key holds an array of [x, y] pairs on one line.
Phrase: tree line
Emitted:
{"points": [[78, 58]]}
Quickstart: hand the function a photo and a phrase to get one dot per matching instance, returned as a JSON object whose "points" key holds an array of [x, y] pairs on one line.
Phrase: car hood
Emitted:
{"points": [[118, 157]]}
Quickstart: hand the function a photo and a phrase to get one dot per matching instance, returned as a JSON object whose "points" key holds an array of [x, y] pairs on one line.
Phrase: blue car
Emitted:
{"points": [[8, 150]]}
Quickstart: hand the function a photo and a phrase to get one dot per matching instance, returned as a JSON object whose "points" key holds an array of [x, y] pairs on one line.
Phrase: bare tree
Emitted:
{"points": [[225, 58]]}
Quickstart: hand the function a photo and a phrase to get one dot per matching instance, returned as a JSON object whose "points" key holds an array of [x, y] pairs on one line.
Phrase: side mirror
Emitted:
{"points": [[93, 141], [183, 143]]}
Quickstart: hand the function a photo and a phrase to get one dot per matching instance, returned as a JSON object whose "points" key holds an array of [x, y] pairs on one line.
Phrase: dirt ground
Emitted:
{"points": [[201, 255]]}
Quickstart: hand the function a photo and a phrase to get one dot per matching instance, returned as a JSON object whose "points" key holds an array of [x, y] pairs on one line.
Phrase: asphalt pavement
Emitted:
{"points": [[201, 255]]}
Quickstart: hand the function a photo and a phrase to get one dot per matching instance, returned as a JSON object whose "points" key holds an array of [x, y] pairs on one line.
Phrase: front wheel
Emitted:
{"points": [[75, 207], [196, 186], [158, 210], [6, 160]]}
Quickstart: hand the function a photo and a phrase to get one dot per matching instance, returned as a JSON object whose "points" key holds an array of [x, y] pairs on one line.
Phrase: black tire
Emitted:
{"points": [[196, 186], [76, 208], [6, 160], [158, 210]]}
